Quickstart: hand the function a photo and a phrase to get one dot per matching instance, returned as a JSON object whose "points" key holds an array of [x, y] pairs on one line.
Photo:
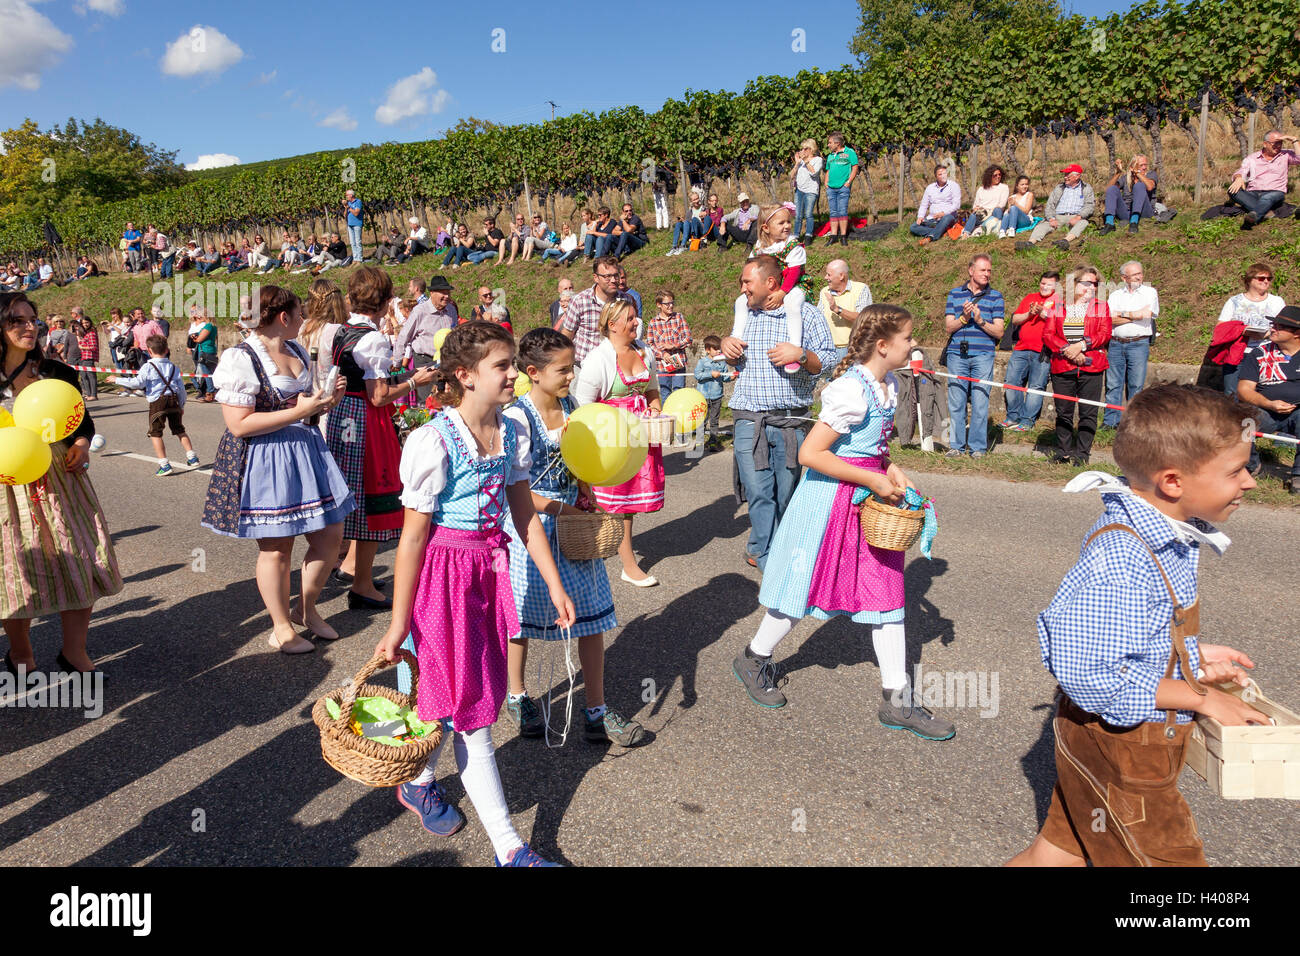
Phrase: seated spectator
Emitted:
{"points": [[1029, 366], [487, 300], [259, 256], [1133, 312], [32, 277], [392, 247], [1244, 323], [1130, 195], [1076, 336], [234, 259], [990, 201], [186, 256], [209, 261], [516, 237], [685, 230], [600, 235], [631, 233], [539, 237], [334, 253], [417, 239], [841, 301], [741, 224], [567, 250], [445, 235], [669, 336], [1270, 381], [588, 220], [86, 268], [289, 251], [44, 273], [712, 223], [11, 279], [974, 317], [939, 206], [1071, 203], [490, 245], [1259, 184], [460, 248], [564, 289]]}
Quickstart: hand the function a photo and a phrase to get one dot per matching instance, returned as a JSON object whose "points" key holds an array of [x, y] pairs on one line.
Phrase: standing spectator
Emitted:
{"points": [[841, 169], [205, 357], [631, 233], [1270, 381], [116, 337], [974, 317], [1071, 203], [938, 209], [1244, 322], [1130, 195], [1076, 336], [670, 337], [432, 314], [564, 292], [1259, 184], [326, 315], [581, 321], [88, 344], [740, 225], [841, 302], [660, 190], [990, 200], [62, 343], [770, 404], [600, 235], [632, 294], [132, 237], [165, 253], [1029, 365], [807, 183], [163, 322], [539, 234], [352, 206], [56, 550], [148, 241], [460, 248], [517, 238], [1020, 209], [1133, 312]]}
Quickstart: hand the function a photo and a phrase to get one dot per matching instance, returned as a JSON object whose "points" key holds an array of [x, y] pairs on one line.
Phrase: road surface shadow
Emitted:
{"points": [[1039, 763]]}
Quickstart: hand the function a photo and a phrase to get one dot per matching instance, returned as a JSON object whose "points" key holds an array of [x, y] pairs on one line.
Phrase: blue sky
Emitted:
{"points": [[260, 80]]}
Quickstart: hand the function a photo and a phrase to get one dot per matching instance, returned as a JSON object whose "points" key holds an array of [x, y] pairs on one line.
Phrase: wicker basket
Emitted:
{"points": [[364, 760], [890, 528], [659, 429], [590, 536]]}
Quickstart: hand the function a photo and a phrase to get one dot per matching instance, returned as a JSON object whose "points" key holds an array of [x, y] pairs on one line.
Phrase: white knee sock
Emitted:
{"points": [[771, 629], [476, 761], [429, 773], [891, 652]]}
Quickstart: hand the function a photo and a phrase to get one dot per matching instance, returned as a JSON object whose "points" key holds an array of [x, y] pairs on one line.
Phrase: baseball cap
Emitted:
{"points": [[742, 197], [1073, 168]]}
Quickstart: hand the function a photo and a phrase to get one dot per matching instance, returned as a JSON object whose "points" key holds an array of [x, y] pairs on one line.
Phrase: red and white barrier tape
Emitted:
{"points": [[126, 372]]}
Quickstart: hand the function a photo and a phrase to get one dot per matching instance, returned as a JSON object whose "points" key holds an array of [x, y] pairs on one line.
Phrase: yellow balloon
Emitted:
{"points": [[598, 440], [523, 385], [50, 408], [689, 407], [23, 456], [635, 460], [438, 338], [6, 420]]}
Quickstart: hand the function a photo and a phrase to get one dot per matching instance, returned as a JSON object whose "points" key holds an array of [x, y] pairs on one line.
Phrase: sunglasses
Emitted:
{"points": [[1261, 278], [1085, 282]]}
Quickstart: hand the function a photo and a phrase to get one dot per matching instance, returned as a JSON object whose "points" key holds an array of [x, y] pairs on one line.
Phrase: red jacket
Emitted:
{"points": [[1227, 344], [1096, 329]]}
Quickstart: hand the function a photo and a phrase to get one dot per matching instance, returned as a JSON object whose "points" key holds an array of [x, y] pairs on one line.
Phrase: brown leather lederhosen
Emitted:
{"points": [[1116, 800]]}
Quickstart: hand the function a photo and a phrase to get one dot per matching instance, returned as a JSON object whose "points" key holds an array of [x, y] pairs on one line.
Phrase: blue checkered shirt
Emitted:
{"points": [[1106, 635], [762, 386]]}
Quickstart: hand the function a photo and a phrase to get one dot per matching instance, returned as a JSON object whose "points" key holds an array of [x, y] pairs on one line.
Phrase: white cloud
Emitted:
{"points": [[29, 43], [213, 160], [112, 8], [415, 95], [264, 78], [339, 119], [200, 49]]}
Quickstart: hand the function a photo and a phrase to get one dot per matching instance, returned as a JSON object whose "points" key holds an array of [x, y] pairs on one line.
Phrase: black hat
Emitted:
{"points": [[439, 283], [1288, 318]]}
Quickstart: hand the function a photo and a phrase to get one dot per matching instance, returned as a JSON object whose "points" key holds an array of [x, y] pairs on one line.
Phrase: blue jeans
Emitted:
{"points": [[682, 233], [165, 267], [768, 492], [933, 229], [1029, 369], [595, 245], [974, 221], [477, 257], [207, 267], [628, 243], [204, 386], [1278, 425], [555, 252], [354, 239], [456, 254], [1118, 207], [804, 204], [1015, 218], [1257, 202], [976, 365], [669, 384], [1128, 367], [838, 201]]}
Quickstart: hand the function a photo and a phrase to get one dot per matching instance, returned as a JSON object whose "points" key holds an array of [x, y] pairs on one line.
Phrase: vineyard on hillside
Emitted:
{"points": [[1145, 70]]}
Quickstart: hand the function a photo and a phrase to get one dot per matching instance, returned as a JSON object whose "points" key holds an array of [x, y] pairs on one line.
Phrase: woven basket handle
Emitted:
{"points": [[375, 664]]}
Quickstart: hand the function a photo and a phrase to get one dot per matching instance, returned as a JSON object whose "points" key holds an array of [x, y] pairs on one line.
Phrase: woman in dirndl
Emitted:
{"points": [[273, 478], [621, 371], [57, 554], [361, 434]]}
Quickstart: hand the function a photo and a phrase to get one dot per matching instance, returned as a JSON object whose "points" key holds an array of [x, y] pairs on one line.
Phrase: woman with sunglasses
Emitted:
{"points": [[56, 551], [1076, 334], [1254, 309]]}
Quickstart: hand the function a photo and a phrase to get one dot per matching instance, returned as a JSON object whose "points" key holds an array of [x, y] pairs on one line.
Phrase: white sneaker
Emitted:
{"points": [[97, 443], [1005, 234]]}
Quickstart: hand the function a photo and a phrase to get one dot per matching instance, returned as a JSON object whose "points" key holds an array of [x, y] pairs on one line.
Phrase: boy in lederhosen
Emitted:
{"points": [[1120, 636], [165, 389]]}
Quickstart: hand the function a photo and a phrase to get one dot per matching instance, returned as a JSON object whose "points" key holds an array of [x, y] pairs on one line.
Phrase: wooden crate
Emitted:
{"points": [[1244, 763]]}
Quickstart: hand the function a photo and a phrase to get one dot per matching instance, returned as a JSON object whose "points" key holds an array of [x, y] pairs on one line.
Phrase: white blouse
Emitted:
{"points": [[236, 377], [524, 430], [374, 352], [324, 354], [599, 372], [424, 462], [844, 404]]}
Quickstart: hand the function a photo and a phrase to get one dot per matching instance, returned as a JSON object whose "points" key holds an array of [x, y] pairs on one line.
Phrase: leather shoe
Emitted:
{"points": [[65, 666], [359, 602], [648, 581]]}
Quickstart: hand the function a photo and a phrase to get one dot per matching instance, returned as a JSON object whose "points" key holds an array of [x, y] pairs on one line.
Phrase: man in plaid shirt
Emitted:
{"points": [[773, 393], [1121, 637], [581, 321]]}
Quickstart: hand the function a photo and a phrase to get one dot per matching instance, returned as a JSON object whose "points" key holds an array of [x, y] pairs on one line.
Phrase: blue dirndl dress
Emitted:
{"points": [[586, 582]]}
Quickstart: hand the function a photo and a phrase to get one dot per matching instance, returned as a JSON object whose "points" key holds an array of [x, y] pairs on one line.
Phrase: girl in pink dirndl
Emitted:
{"points": [[451, 583], [621, 371]]}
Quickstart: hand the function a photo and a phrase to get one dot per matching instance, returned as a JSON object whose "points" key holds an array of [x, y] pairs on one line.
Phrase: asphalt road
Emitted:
{"points": [[205, 752]]}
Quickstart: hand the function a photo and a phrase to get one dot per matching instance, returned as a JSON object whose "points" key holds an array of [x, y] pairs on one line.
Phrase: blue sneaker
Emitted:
{"points": [[524, 856], [430, 804]]}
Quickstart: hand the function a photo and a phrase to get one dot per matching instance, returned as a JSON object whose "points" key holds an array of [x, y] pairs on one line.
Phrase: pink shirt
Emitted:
{"points": [[143, 330], [1263, 175]]}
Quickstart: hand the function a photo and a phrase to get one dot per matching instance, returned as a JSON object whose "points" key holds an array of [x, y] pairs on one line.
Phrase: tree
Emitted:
{"points": [[891, 27]]}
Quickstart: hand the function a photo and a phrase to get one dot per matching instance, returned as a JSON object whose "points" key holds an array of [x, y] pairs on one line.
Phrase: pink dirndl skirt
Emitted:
{"points": [[462, 622], [851, 575], [644, 491]]}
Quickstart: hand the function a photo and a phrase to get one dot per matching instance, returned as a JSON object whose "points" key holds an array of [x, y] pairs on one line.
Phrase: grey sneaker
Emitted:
{"points": [[955, 453], [758, 674], [977, 454], [612, 727], [906, 714], [525, 716]]}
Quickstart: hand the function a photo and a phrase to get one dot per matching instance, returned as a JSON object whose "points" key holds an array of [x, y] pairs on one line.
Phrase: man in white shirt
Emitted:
{"points": [[46, 272], [1133, 311], [417, 241], [938, 209]]}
